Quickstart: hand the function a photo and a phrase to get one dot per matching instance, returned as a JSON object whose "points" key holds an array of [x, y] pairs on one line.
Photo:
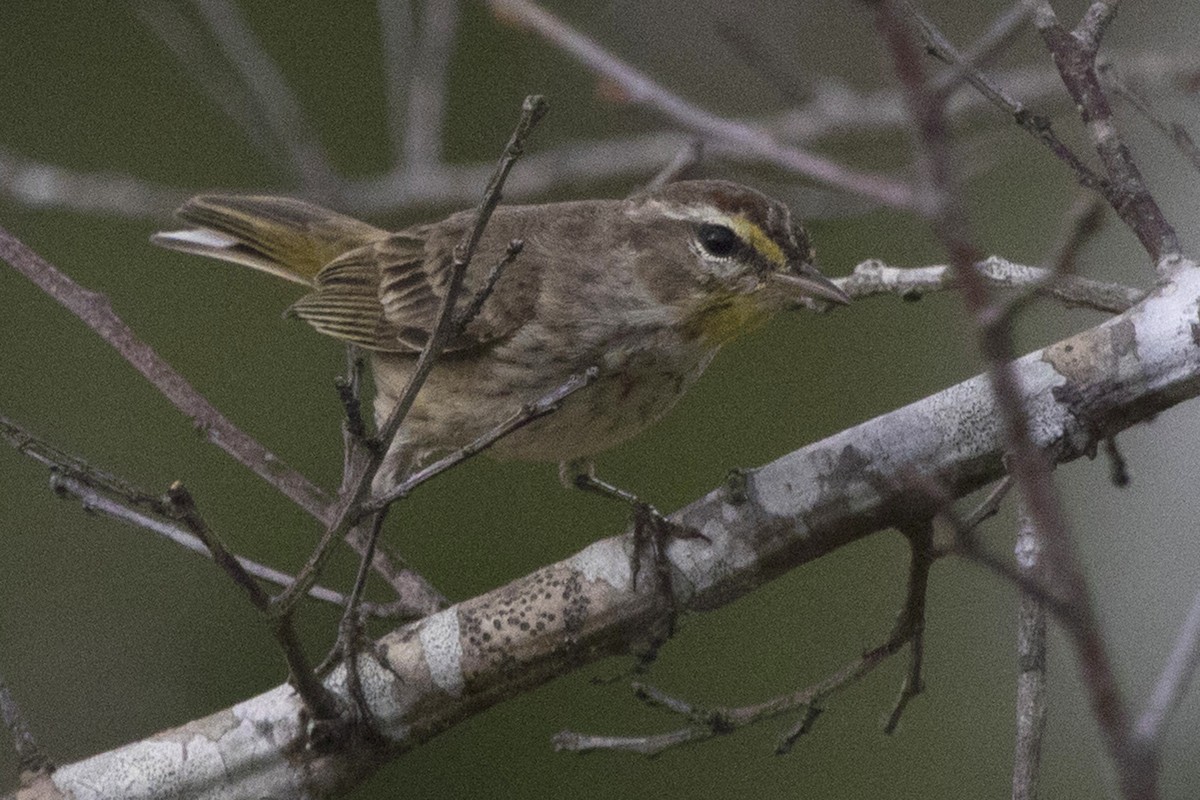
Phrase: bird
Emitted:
{"points": [[643, 290]]}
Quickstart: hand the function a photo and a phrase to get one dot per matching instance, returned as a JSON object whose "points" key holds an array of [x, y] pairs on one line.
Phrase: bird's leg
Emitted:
{"points": [[651, 530]]}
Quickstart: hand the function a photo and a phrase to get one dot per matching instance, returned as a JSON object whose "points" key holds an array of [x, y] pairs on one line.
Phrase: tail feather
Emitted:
{"points": [[288, 238]]}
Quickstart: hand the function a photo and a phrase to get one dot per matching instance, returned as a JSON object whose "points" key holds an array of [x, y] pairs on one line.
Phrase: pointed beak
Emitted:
{"points": [[805, 281]]}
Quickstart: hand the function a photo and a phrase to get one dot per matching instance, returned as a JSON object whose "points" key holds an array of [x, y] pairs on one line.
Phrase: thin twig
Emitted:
{"points": [[911, 283], [998, 37], [399, 40], [706, 723], [835, 110], [1037, 125], [911, 623], [103, 493], [1173, 130], [275, 100], [96, 502], [95, 310], [523, 416], [481, 295], [1173, 681], [427, 86], [184, 39], [349, 389], [1074, 54], [1028, 465], [684, 161], [641, 90], [349, 509], [1118, 468], [318, 699], [1031, 669]]}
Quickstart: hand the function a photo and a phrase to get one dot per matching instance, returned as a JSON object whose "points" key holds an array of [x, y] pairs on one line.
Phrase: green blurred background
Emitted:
{"points": [[108, 634]]}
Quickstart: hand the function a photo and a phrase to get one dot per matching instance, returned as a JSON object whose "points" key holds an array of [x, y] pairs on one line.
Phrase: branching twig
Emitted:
{"points": [[1028, 465], [911, 283], [318, 699], [349, 511], [1074, 54], [96, 490], [481, 295], [95, 310], [640, 89], [523, 416], [999, 35], [275, 100], [911, 623], [1174, 131], [1037, 125], [706, 723], [835, 110]]}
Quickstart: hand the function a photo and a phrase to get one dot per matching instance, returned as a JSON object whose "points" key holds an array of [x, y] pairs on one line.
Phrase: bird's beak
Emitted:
{"points": [[806, 281]]}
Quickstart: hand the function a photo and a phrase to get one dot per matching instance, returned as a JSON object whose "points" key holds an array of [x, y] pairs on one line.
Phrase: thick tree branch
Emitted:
{"points": [[437, 672]]}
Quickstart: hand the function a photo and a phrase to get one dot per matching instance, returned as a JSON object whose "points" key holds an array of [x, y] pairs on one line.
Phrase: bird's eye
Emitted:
{"points": [[718, 240]]}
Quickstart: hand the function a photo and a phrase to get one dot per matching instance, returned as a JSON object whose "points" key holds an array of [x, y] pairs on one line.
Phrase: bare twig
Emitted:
{"points": [[185, 40], [718, 721], [96, 490], [835, 109], [911, 623], [95, 310], [1118, 468], [349, 389], [397, 31], [685, 160], [489, 284], [523, 416], [1029, 466], [640, 89], [1083, 221], [275, 100], [318, 699], [911, 283], [1173, 681], [1037, 125], [96, 502], [427, 88], [1173, 130], [1000, 34], [1074, 54], [1031, 670], [706, 723], [349, 511]]}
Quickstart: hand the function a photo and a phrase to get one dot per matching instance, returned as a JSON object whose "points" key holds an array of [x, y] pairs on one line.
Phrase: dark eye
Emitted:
{"points": [[717, 240]]}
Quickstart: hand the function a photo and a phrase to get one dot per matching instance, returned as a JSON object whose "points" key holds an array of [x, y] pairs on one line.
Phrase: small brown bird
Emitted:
{"points": [[644, 289]]}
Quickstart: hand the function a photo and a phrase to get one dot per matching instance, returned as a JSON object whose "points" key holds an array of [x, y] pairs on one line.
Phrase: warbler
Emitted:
{"points": [[645, 289]]}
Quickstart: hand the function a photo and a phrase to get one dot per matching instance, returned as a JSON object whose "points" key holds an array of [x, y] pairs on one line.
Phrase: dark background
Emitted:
{"points": [[108, 634]]}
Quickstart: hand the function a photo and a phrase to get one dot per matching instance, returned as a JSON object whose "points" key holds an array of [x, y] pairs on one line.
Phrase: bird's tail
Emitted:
{"points": [[288, 238]]}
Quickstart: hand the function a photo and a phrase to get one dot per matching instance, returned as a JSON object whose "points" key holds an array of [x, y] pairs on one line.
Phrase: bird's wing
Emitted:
{"points": [[385, 296]]}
